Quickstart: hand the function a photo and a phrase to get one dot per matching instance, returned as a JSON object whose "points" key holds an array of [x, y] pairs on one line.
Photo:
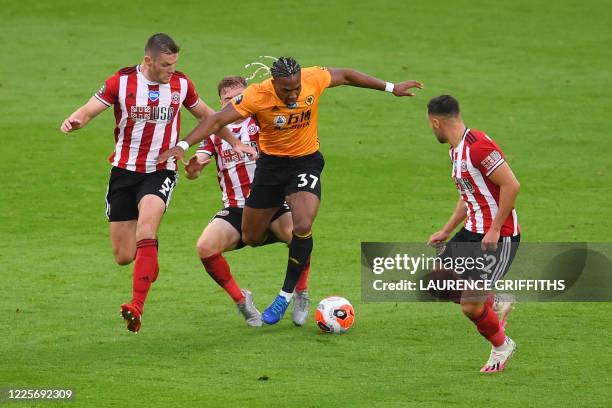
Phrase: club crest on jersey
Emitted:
{"points": [[463, 165], [252, 130], [176, 97], [153, 95], [238, 99], [280, 121], [309, 100]]}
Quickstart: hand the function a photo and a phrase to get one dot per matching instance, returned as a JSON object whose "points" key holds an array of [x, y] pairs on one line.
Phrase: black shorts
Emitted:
{"points": [[233, 215], [489, 265], [126, 188], [277, 177]]}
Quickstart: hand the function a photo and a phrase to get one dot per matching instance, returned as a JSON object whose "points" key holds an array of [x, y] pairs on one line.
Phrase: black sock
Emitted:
{"points": [[299, 251]]}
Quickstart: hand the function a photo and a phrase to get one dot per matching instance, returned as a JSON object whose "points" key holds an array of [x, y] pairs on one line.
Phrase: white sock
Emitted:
{"points": [[286, 295]]}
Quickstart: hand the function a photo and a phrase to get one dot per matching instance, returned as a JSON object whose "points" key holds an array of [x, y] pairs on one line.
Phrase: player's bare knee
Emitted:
{"points": [[302, 228], [206, 248], [122, 257], [471, 309]]}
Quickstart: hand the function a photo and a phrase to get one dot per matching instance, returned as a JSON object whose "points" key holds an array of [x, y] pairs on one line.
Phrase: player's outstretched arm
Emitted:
{"points": [[508, 190], [211, 124], [350, 77], [84, 114], [459, 214]]}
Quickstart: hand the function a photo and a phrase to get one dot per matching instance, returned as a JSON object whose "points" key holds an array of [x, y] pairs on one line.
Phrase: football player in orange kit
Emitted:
{"points": [[290, 164]]}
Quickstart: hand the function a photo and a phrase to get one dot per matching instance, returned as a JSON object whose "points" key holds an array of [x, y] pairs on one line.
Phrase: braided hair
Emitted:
{"points": [[285, 67]]}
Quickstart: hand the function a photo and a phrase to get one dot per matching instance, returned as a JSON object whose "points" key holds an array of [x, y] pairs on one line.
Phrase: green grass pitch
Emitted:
{"points": [[534, 75]]}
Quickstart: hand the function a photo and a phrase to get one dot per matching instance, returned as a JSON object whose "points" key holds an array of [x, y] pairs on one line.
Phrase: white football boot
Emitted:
{"points": [[248, 310], [499, 357], [299, 314]]}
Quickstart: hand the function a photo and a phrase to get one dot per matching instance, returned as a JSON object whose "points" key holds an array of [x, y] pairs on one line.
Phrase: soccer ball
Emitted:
{"points": [[335, 315]]}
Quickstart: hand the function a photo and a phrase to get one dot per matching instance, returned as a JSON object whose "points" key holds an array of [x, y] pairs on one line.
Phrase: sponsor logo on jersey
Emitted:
{"points": [[491, 160], [229, 156], [153, 95], [152, 113], [299, 120], [464, 185], [309, 100]]}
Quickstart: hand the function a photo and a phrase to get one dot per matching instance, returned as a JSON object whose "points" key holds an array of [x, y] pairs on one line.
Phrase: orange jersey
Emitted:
{"points": [[284, 131]]}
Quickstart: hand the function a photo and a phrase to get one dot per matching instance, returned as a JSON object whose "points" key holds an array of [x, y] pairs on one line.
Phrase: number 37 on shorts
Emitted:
{"points": [[307, 181]]}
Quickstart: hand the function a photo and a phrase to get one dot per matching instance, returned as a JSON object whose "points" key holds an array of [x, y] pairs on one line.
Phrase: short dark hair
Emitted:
{"points": [[161, 43], [443, 105], [230, 82], [285, 67]]}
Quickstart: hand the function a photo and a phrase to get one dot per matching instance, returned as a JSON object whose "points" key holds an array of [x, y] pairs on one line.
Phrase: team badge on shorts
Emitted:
{"points": [[309, 100], [280, 121], [153, 95], [176, 97], [223, 213]]}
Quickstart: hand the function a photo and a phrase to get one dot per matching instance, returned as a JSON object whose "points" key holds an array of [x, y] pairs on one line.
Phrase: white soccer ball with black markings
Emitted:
{"points": [[335, 315]]}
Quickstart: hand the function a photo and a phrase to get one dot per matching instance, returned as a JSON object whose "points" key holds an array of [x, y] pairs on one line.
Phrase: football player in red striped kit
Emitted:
{"points": [[224, 232], [488, 189], [147, 99]]}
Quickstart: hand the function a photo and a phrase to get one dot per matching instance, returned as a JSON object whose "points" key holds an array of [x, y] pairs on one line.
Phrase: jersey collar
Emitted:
{"points": [[144, 78]]}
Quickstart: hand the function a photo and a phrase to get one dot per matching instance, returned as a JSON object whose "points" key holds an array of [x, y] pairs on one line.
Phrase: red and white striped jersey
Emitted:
{"points": [[473, 160], [234, 173], [147, 116]]}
